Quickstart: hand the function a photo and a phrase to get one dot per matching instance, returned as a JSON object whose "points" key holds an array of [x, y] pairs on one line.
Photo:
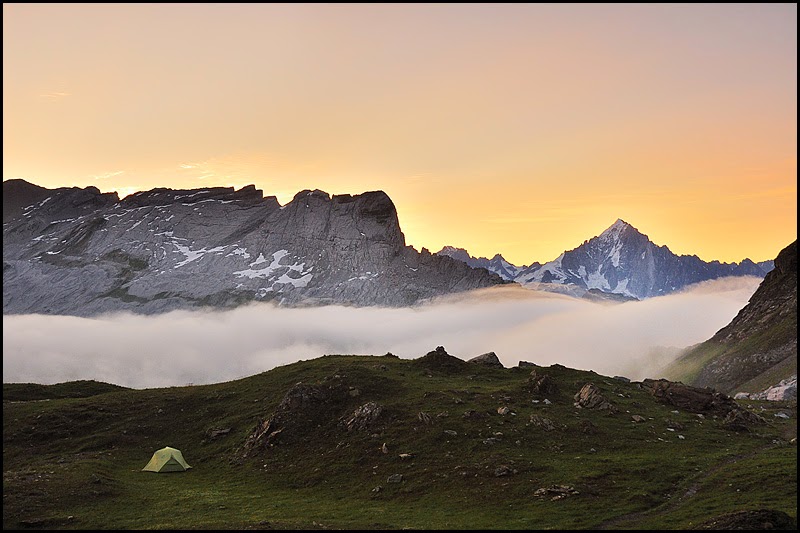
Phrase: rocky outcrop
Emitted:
{"points": [[439, 360], [703, 401], [542, 385], [363, 417], [301, 410], [81, 252], [590, 397], [688, 398]]}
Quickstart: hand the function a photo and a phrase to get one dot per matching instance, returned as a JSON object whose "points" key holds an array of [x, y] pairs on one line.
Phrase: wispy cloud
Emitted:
{"points": [[107, 175], [54, 95]]}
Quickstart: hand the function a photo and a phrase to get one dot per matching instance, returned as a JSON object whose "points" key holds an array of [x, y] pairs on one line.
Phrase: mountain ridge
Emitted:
{"points": [[621, 260], [80, 251]]}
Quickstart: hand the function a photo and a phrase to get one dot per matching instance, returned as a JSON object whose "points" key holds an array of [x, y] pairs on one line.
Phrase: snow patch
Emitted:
{"points": [[240, 251], [266, 271], [193, 255], [296, 282]]}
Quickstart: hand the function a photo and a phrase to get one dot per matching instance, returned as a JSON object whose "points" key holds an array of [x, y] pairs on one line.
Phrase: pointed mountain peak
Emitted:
{"points": [[617, 228], [619, 225]]}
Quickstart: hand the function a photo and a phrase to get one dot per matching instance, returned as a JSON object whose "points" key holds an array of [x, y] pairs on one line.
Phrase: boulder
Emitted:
{"points": [[589, 397], [488, 359]]}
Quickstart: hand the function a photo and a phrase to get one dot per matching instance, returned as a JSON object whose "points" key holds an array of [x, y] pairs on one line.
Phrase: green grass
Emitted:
{"points": [[74, 463], [688, 367]]}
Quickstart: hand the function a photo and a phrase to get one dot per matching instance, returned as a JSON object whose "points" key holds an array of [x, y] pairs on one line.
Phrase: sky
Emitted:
{"points": [[521, 129], [633, 339]]}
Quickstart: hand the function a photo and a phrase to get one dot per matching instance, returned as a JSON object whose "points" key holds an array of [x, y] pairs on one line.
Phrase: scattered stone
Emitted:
{"points": [[377, 489], [503, 410], [423, 417], [589, 397], [557, 492], [384, 448], [741, 396], [491, 440], [473, 414], [547, 402], [638, 418], [504, 470], [395, 478], [587, 427], [489, 359], [215, 433], [781, 414], [542, 422], [405, 456], [443, 414], [673, 424], [354, 392], [450, 432]]}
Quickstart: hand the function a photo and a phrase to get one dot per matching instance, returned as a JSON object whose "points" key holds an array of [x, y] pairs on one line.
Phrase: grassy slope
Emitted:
{"points": [[75, 462], [687, 367]]}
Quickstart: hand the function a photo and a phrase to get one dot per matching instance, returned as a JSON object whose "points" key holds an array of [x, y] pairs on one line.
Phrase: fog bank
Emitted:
{"points": [[200, 347]]}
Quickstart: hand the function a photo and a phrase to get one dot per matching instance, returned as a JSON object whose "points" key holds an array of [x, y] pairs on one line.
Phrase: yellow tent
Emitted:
{"points": [[166, 460]]}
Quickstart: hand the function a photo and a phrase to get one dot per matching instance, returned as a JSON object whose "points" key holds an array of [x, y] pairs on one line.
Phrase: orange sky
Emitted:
{"points": [[522, 129]]}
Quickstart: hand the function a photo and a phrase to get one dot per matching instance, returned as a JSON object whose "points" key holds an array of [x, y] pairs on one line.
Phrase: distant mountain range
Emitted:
{"points": [[758, 349], [78, 251], [621, 261]]}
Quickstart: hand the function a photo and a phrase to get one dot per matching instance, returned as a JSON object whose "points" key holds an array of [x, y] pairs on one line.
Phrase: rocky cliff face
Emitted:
{"points": [[77, 251], [759, 347], [620, 261]]}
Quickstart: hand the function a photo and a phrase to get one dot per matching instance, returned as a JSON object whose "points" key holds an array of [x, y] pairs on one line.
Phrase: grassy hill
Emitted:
{"points": [[75, 463]]}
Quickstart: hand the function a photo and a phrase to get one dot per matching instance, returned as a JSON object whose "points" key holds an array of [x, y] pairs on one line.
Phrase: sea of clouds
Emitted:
{"points": [[634, 339]]}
